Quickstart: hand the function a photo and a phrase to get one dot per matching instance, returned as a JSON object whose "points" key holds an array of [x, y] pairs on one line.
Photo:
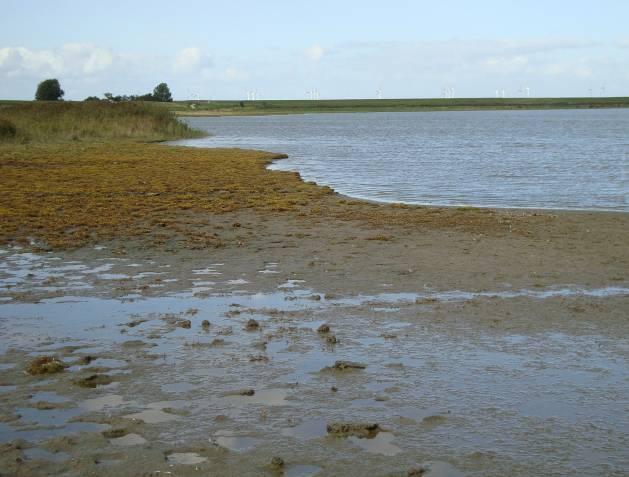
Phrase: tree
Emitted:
{"points": [[92, 98], [162, 93], [49, 90]]}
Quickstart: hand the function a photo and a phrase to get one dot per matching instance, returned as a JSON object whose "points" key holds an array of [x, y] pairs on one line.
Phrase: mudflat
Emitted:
{"points": [[214, 317]]}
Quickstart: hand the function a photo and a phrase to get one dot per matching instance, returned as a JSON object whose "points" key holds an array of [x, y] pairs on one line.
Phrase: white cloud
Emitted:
{"points": [[72, 59], [190, 60], [315, 52], [22, 61], [86, 58]]}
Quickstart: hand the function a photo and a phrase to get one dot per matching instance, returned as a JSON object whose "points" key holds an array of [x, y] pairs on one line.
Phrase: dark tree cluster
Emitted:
{"points": [[49, 90], [161, 93]]}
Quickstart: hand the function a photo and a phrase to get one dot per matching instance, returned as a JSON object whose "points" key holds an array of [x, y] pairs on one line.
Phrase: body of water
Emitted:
{"points": [[558, 159]]}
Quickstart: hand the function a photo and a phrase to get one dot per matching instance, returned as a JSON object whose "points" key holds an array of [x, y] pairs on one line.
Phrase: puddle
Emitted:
{"points": [[153, 416], [144, 274], [291, 284], [112, 276], [302, 471], [9, 433], [380, 444], [47, 396], [234, 443], [307, 430], [47, 417], [206, 271], [35, 453], [185, 458], [100, 363]]}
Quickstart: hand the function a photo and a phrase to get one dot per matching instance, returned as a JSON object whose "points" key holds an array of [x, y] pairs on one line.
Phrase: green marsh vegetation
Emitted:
{"points": [[60, 121]]}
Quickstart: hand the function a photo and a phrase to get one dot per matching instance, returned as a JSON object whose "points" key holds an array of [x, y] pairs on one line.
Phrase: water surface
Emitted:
{"points": [[560, 159]]}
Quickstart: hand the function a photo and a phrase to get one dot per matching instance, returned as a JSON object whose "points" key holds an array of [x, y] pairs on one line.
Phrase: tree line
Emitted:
{"points": [[50, 90]]}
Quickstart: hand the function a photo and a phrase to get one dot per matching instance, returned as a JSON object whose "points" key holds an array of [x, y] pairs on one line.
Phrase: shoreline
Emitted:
{"points": [[283, 156], [541, 210]]}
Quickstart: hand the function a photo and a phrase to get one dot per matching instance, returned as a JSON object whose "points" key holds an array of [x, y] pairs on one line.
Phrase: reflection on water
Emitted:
{"points": [[568, 159]]}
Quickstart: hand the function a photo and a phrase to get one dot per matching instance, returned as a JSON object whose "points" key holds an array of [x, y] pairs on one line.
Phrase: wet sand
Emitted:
{"points": [[497, 351]]}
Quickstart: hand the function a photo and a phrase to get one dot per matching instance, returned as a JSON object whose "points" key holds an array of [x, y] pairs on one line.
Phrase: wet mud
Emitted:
{"points": [[220, 370]]}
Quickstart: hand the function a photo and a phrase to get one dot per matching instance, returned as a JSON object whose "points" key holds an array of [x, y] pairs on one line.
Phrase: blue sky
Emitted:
{"points": [[283, 49]]}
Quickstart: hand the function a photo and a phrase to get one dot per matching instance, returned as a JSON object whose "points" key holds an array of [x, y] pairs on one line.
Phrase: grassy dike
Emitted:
{"points": [[74, 174], [268, 107]]}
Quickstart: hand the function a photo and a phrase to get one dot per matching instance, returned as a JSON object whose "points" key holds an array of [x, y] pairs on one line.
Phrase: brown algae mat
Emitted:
{"points": [[69, 195]]}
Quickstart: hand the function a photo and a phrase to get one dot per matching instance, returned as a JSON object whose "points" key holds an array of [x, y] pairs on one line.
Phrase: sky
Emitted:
{"points": [[342, 49]]}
